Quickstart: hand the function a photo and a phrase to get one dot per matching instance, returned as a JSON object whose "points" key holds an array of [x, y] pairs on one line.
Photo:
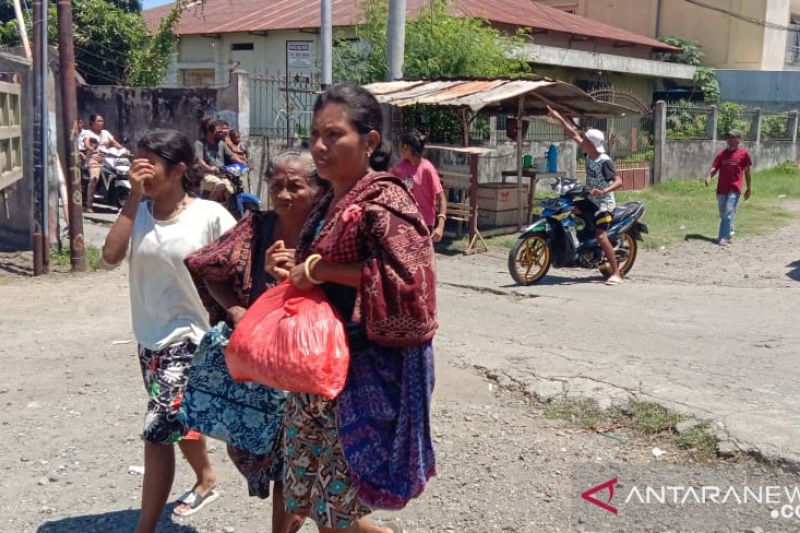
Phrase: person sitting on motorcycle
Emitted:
{"points": [[236, 145], [601, 180], [212, 154], [92, 143]]}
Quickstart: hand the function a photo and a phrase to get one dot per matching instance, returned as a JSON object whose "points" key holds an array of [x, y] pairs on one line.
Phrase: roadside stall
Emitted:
{"points": [[519, 99]]}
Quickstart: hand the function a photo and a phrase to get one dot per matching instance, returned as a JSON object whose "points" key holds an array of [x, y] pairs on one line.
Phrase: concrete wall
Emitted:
{"points": [[16, 221], [728, 42], [685, 160], [129, 112]]}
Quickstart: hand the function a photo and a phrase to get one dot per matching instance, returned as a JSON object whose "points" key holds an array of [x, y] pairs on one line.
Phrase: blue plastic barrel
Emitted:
{"points": [[552, 158]]}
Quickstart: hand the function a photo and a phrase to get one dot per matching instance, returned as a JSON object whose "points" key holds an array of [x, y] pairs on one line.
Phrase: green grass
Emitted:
{"points": [[698, 440], [61, 258], [680, 210], [650, 418], [677, 210], [582, 412], [645, 419]]}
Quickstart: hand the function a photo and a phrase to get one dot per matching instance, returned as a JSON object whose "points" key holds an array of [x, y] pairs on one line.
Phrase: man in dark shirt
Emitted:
{"points": [[732, 163], [211, 154]]}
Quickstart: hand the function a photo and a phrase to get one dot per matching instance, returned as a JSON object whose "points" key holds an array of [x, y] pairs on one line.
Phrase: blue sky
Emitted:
{"points": [[147, 4]]}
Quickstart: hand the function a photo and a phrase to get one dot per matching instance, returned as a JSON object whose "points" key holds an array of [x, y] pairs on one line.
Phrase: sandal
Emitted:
{"points": [[194, 501]]}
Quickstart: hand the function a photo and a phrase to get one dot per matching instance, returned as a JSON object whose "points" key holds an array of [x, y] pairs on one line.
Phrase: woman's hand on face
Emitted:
{"points": [[279, 260], [299, 279], [141, 170]]}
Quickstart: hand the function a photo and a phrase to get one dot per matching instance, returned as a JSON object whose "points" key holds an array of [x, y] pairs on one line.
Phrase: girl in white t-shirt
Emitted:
{"points": [[162, 223]]}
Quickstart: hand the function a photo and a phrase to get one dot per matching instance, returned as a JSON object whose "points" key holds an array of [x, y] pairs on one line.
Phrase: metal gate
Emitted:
{"points": [[281, 106]]}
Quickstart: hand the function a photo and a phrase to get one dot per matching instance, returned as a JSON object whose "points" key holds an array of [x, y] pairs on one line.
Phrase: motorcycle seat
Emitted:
{"points": [[624, 210]]}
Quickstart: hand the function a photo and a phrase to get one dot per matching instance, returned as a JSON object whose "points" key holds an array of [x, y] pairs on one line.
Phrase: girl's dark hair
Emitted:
{"points": [[175, 148], [363, 110], [415, 140], [94, 117]]}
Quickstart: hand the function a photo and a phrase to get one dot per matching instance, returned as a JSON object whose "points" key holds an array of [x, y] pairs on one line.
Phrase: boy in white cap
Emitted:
{"points": [[601, 180]]}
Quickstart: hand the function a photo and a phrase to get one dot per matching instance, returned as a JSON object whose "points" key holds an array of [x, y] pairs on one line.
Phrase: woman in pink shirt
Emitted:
{"points": [[427, 186]]}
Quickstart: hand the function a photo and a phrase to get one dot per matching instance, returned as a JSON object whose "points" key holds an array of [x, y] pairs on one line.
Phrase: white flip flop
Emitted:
{"points": [[195, 501]]}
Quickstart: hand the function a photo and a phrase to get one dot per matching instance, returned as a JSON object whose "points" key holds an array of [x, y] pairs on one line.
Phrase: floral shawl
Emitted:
{"points": [[235, 258], [378, 223]]}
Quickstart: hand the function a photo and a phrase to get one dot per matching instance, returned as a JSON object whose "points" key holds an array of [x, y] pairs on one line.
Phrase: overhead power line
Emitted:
{"points": [[752, 20]]}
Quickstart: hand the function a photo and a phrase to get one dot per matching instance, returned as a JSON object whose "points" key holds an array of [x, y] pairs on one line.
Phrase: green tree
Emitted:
{"points": [[149, 65], [129, 6], [689, 54], [438, 45], [706, 82], [106, 37]]}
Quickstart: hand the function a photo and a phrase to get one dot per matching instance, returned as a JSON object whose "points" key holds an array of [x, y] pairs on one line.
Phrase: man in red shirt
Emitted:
{"points": [[732, 163]]}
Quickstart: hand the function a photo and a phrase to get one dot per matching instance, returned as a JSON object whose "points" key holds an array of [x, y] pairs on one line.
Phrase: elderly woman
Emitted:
{"points": [[369, 248], [234, 271]]}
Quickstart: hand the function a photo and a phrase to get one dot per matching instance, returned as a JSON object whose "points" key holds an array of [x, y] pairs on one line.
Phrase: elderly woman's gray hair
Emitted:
{"points": [[295, 156]]}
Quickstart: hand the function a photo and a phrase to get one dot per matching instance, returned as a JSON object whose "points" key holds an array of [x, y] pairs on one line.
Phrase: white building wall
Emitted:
{"points": [[268, 55]]}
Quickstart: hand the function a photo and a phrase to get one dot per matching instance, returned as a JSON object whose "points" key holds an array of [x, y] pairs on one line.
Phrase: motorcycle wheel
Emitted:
{"points": [[119, 196], [626, 251], [529, 259]]}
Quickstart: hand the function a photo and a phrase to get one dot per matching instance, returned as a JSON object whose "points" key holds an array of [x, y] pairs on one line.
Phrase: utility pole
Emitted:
{"points": [[396, 41], [69, 104], [41, 242], [23, 31], [326, 41]]}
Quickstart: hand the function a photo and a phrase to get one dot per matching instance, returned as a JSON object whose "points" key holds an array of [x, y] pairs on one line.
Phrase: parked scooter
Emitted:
{"points": [[560, 238], [240, 202], [113, 184]]}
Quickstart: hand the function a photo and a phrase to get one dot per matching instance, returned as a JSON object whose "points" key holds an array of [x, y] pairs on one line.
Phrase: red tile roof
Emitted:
{"points": [[227, 16]]}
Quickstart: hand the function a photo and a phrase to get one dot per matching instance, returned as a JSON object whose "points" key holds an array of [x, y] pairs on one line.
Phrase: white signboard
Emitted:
{"points": [[299, 56]]}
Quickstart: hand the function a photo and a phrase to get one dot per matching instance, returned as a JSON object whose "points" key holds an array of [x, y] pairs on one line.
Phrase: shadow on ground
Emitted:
{"points": [[20, 263], [111, 521], [794, 273], [698, 237], [550, 279]]}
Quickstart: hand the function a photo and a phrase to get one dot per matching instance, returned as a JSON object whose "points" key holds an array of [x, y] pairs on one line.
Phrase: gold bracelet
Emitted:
{"points": [[309, 263], [441, 216]]}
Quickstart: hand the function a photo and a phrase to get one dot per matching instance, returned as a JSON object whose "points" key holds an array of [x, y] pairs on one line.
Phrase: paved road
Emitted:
{"points": [[708, 330]]}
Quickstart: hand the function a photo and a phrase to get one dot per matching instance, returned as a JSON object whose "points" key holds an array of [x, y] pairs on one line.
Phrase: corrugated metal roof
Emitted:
{"points": [[498, 96], [227, 16]]}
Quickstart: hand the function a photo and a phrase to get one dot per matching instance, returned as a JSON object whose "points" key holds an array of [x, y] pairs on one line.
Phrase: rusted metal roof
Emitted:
{"points": [[227, 16], [500, 96]]}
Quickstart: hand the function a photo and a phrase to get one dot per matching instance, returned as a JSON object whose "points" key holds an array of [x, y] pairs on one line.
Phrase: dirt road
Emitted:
{"points": [[707, 328]]}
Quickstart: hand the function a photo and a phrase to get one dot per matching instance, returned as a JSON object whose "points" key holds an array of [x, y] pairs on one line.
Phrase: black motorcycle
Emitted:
{"points": [[562, 239]]}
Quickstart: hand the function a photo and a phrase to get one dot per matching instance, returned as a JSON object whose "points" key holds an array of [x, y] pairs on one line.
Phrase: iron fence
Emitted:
{"points": [[775, 127], [281, 106]]}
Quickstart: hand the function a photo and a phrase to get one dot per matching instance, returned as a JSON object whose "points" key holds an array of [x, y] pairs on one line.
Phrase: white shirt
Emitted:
{"points": [[165, 306], [103, 138]]}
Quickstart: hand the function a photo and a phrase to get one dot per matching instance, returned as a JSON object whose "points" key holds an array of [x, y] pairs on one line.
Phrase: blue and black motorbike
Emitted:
{"points": [[240, 202], [561, 238]]}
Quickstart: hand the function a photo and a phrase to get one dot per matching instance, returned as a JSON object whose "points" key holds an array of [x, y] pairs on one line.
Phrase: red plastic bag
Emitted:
{"points": [[291, 340]]}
